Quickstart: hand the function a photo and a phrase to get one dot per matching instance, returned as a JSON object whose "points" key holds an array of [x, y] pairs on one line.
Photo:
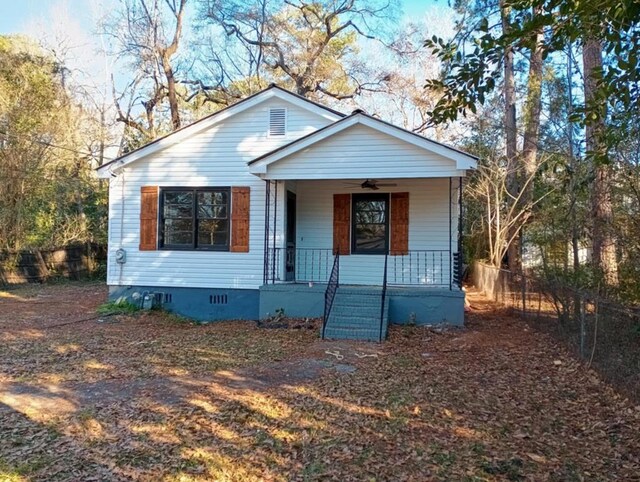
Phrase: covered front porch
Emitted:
{"points": [[407, 236], [362, 227], [414, 268]]}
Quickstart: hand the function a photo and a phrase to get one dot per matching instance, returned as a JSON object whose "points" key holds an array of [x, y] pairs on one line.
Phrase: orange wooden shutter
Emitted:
{"points": [[399, 223], [240, 219], [341, 223], [148, 218]]}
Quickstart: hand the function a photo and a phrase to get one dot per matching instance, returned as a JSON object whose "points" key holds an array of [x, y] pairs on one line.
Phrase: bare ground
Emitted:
{"points": [[149, 397]]}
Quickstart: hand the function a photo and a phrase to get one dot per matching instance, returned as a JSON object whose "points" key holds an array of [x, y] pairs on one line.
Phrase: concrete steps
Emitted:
{"points": [[355, 315]]}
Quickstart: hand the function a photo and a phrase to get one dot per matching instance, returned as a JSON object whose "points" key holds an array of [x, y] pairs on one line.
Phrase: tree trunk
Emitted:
{"points": [[604, 245], [510, 128], [171, 93], [532, 116], [529, 158]]}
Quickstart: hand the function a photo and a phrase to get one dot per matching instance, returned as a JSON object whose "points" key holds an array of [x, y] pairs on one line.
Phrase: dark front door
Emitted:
{"points": [[290, 264]]}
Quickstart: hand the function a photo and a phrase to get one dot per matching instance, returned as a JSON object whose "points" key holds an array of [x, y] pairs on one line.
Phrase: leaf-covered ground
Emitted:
{"points": [[151, 397]]}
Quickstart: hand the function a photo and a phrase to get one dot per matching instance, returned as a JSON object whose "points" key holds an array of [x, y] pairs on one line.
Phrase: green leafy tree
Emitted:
{"points": [[609, 36], [48, 194]]}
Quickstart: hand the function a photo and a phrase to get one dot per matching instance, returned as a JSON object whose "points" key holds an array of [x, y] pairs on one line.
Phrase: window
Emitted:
{"points": [[194, 218], [277, 122], [370, 229]]}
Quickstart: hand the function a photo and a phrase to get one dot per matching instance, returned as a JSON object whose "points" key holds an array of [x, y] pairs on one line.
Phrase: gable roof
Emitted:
{"points": [[462, 159], [176, 136]]}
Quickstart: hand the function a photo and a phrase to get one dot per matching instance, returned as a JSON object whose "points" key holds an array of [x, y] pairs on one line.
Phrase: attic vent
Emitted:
{"points": [[277, 121]]}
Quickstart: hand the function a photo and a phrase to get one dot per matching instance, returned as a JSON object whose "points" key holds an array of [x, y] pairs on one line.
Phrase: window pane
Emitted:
{"points": [[178, 197], [208, 211], [212, 197], [178, 232], [178, 204], [212, 205], [184, 211], [213, 232], [370, 237], [370, 224], [368, 217]]}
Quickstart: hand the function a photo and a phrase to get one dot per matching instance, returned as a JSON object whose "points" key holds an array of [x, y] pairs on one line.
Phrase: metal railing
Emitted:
{"points": [[421, 267], [299, 264], [384, 294], [457, 269], [437, 268], [330, 293]]}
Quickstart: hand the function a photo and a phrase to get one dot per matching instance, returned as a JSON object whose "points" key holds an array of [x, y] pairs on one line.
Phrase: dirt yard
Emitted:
{"points": [[151, 397]]}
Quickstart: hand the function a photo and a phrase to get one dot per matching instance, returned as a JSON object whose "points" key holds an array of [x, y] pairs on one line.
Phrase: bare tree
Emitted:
{"points": [[504, 212], [147, 33], [309, 45]]}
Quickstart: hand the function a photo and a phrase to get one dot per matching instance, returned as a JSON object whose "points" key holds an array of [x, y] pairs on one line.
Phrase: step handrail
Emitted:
{"points": [[384, 293], [330, 292]]}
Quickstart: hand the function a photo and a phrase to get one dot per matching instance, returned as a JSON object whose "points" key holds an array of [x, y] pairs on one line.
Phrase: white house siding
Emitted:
{"points": [[361, 152], [429, 228], [216, 157]]}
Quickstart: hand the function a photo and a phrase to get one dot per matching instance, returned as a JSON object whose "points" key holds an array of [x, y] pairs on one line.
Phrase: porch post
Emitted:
{"points": [[460, 231], [275, 230], [450, 241], [265, 274]]}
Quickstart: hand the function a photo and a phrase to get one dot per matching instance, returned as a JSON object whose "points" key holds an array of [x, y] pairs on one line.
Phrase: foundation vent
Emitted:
{"points": [[218, 299]]}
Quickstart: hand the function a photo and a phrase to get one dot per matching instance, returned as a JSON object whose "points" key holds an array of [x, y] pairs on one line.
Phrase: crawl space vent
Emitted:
{"points": [[277, 122], [218, 299]]}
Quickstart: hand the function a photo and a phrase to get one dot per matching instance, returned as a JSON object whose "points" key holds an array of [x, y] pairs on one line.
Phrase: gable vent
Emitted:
{"points": [[277, 121]]}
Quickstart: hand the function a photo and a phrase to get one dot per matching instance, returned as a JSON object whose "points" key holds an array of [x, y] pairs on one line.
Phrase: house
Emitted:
{"points": [[279, 203]]}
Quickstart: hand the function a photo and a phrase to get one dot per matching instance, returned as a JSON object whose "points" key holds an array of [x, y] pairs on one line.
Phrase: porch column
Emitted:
{"points": [[270, 231]]}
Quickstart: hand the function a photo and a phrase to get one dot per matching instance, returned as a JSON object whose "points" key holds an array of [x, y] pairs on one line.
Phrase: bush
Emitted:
{"points": [[118, 307]]}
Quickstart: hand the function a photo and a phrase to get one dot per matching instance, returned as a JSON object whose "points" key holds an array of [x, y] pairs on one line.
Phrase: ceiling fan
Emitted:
{"points": [[371, 184]]}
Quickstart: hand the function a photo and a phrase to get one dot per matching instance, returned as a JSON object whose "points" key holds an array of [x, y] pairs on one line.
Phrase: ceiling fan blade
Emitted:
{"points": [[388, 184]]}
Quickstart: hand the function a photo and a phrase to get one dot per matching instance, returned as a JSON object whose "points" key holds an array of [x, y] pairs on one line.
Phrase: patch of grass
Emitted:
{"points": [[313, 470], [9, 474], [511, 468], [25, 468], [119, 307], [86, 414]]}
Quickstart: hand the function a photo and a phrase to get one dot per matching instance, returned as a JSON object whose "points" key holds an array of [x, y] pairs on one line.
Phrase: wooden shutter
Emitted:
{"points": [[240, 219], [148, 218], [399, 223], [341, 223]]}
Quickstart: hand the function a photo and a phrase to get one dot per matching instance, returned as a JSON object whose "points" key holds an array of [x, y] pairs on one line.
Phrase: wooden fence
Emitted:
{"points": [[495, 283], [37, 266]]}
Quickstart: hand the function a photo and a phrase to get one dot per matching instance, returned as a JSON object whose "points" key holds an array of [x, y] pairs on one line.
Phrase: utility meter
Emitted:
{"points": [[121, 256]]}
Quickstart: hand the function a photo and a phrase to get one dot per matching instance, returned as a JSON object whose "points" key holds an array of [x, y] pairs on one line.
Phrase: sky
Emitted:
{"points": [[19, 16], [68, 29], [69, 26]]}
